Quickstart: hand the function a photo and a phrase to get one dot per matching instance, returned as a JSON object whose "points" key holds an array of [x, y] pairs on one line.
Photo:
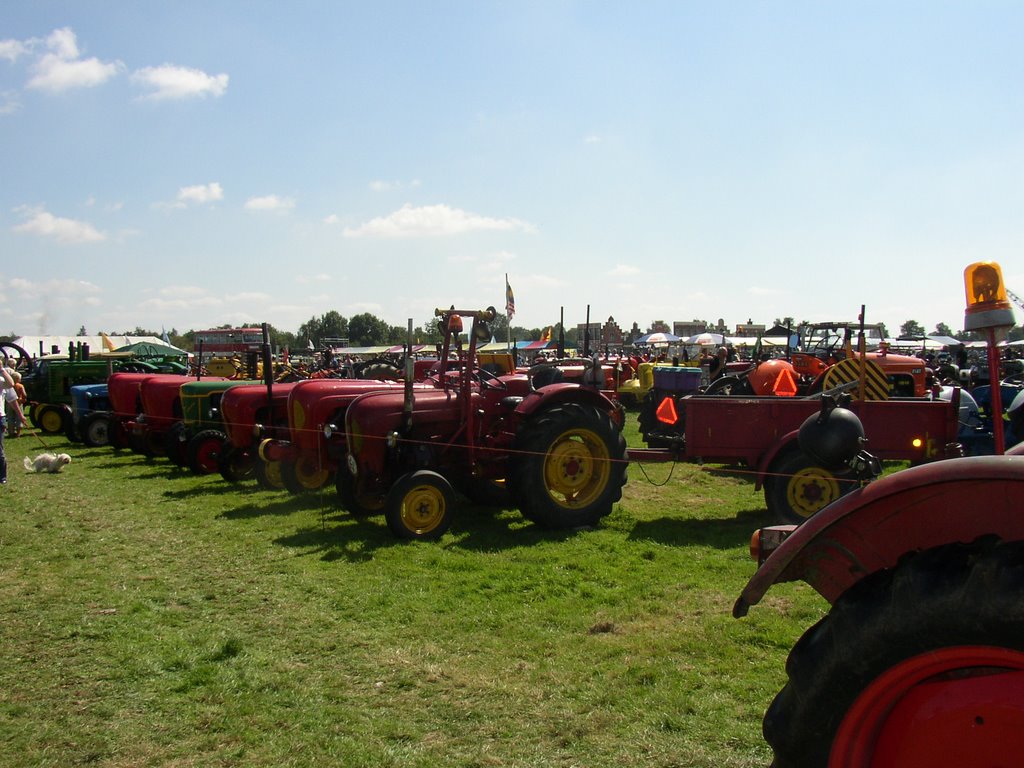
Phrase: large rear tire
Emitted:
{"points": [[568, 466], [913, 639], [799, 488]]}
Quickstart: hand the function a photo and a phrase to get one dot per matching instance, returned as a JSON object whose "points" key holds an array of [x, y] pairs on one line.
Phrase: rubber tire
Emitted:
{"points": [[234, 465], [95, 429], [268, 475], [174, 448], [554, 438], [51, 419], [204, 451], [800, 476], [420, 490], [951, 596], [303, 476], [349, 498], [381, 372]]}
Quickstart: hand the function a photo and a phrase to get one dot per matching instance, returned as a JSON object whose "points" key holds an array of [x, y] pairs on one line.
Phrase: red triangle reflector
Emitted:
{"points": [[666, 412], [785, 384]]}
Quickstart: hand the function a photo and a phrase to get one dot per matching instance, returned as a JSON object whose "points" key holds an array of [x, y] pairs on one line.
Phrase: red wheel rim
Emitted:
{"points": [[855, 742], [206, 455]]}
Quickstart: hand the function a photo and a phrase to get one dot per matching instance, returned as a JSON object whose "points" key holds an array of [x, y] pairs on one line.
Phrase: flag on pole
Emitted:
{"points": [[164, 336], [510, 300]]}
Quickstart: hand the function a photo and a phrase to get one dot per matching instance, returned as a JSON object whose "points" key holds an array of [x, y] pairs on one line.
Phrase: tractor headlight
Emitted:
{"points": [[391, 441], [257, 430], [329, 430]]}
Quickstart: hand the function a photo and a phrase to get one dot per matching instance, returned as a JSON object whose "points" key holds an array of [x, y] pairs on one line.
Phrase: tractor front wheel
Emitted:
{"points": [[175, 445], [235, 465], [350, 498], [204, 451], [419, 505], [798, 488], [921, 664], [304, 475], [268, 475], [51, 419], [568, 467], [95, 429]]}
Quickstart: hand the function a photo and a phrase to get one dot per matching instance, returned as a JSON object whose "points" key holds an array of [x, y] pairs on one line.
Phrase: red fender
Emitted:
{"points": [[956, 500]]}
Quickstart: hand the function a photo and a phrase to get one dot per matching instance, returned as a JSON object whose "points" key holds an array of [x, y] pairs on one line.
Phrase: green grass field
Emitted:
{"points": [[155, 618]]}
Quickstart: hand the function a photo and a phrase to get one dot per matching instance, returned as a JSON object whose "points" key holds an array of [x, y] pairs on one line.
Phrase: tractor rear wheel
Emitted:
{"points": [[568, 466], [268, 475], [235, 465], [204, 451], [419, 505], [303, 475], [95, 429], [921, 664], [348, 494], [799, 488]]}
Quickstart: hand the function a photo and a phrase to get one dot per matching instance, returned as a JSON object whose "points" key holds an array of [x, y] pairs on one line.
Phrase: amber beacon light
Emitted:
{"points": [[987, 305]]}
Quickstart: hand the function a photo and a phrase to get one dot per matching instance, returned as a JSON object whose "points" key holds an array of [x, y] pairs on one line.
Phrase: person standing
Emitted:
{"points": [[16, 421], [7, 395]]}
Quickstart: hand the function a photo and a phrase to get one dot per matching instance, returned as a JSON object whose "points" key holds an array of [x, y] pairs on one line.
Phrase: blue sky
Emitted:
{"points": [[190, 164]]}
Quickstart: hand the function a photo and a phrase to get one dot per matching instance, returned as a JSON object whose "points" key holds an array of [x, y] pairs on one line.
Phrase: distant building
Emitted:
{"points": [[750, 329], [685, 330]]}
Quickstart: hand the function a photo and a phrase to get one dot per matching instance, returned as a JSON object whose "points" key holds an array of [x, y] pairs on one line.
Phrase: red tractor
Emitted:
{"points": [[920, 661], [155, 431], [557, 451], [252, 415], [125, 393], [308, 455]]}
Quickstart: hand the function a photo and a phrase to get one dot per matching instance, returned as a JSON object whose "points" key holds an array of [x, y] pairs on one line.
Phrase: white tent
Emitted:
{"points": [[38, 346]]}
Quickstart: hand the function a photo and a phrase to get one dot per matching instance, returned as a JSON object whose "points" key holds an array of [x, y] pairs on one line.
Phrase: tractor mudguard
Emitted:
{"points": [[955, 500], [554, 394], [783, 445]]}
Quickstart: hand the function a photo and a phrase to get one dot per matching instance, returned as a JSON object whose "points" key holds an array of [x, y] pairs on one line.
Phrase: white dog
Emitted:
{"points": [[47, 462]]}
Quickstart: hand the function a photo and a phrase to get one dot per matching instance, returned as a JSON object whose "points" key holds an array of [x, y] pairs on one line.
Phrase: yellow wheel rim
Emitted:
{"points": [[272, 469], [51, 421], [310, 476], [423, 508], [811, 490], [577, 468]]}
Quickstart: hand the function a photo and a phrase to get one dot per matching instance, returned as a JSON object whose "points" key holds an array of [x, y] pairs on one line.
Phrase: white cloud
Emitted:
{"points": [[171, 82], [385, 186], [332, 220], [62, 68], [68, 231], [623, 270], [308, 279], [200, 193], [12, 49], [55, 289], [432, 221], [9, 102], [270, 203]]}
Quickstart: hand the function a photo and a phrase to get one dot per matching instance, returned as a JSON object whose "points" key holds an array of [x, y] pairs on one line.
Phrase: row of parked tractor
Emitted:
{"points": [[546, 440]]}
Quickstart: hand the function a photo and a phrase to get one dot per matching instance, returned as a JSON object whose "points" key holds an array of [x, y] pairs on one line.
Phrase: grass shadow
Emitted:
{"points": [[718, 533]]}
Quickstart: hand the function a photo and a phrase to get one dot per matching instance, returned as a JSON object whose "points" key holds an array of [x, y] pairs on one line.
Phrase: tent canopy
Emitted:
{"points": [[151, 349]]}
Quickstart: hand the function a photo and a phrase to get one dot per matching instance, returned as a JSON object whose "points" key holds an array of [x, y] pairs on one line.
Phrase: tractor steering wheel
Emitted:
{"points": [[490, 379]]}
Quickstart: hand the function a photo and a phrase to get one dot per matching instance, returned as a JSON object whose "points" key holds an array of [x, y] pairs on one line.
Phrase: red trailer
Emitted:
{"points": [[761, 433]]}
